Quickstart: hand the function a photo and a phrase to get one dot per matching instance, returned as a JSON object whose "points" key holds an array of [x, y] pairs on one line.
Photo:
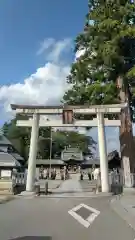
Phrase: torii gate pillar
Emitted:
{"points": [[32, 154], [103, 153]]}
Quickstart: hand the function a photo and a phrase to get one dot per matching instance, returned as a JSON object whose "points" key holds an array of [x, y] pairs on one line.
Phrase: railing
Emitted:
{"points": [[120, 179], [115, 179], [19, 178]]}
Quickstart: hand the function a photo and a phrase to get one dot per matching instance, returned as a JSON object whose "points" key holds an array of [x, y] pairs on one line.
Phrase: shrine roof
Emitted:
{"points": [[47, 162], [7, 160]]}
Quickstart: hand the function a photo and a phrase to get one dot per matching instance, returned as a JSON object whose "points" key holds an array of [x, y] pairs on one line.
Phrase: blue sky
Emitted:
{"points": [[25, 23], [36, 51]]}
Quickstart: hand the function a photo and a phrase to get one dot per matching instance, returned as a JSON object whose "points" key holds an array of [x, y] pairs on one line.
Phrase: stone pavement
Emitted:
{"points": [[69, 195], [65, 218], [124, 205], [69, 186], [73, 188], [6, 198], [54, 218], [52, 184]]}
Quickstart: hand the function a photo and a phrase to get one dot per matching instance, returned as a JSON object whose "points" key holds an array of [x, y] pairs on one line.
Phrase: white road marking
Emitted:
{"points": [[91, 218], [79, 219], [76, 208], [86, 223], [91, 209]]}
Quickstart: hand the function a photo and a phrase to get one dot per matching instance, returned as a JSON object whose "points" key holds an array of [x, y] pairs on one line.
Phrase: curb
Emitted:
{"points": [[6, 199], [33, 194], [57, 186], [75, 196], [122, 212]]}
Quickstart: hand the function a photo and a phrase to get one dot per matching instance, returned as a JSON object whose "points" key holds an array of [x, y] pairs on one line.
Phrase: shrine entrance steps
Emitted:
{"points": [[75, 186]]}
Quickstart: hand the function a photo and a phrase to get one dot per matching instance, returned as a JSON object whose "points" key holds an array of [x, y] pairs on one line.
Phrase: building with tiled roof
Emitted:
{"points": [[8, 151]]}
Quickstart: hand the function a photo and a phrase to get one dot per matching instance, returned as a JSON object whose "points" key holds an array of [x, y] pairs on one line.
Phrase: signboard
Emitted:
{"points": [[5, 173], [68, 116]]}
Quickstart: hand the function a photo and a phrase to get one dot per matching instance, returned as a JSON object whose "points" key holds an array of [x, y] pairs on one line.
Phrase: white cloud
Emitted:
{"points": [[53, 49], [79, 53], [47, 43], [60, 47], [45, 86]]}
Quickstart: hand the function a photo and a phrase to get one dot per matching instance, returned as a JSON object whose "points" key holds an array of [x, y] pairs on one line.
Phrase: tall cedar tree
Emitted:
{"points": [[105, 71]]}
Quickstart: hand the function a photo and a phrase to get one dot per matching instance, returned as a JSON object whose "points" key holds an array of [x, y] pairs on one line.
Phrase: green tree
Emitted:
{"points": [[20, 137], [105, 71], [44, 142], [60, 139], [73, 139], [109, 47]]}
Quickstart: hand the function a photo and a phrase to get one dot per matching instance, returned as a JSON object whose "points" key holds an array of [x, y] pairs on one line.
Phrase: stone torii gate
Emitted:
{"points": [[67, 113]]}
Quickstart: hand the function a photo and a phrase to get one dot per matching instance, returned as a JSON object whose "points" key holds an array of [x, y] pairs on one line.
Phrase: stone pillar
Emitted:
{"points": [[32, 154], [103, 153]]}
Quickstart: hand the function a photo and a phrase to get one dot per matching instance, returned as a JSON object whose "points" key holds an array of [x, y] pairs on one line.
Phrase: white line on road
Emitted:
{"points": [[91, 209], [76, 208], [79, 218], [92, 217], [86, 223]]}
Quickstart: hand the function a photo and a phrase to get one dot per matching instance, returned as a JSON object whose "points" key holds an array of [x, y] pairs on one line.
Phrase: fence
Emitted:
{"points": [[19, 178], [119, 178], [115, 179]]}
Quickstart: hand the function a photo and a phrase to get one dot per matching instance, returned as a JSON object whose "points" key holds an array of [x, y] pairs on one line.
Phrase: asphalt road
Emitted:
{"points": [[50, 217]]}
